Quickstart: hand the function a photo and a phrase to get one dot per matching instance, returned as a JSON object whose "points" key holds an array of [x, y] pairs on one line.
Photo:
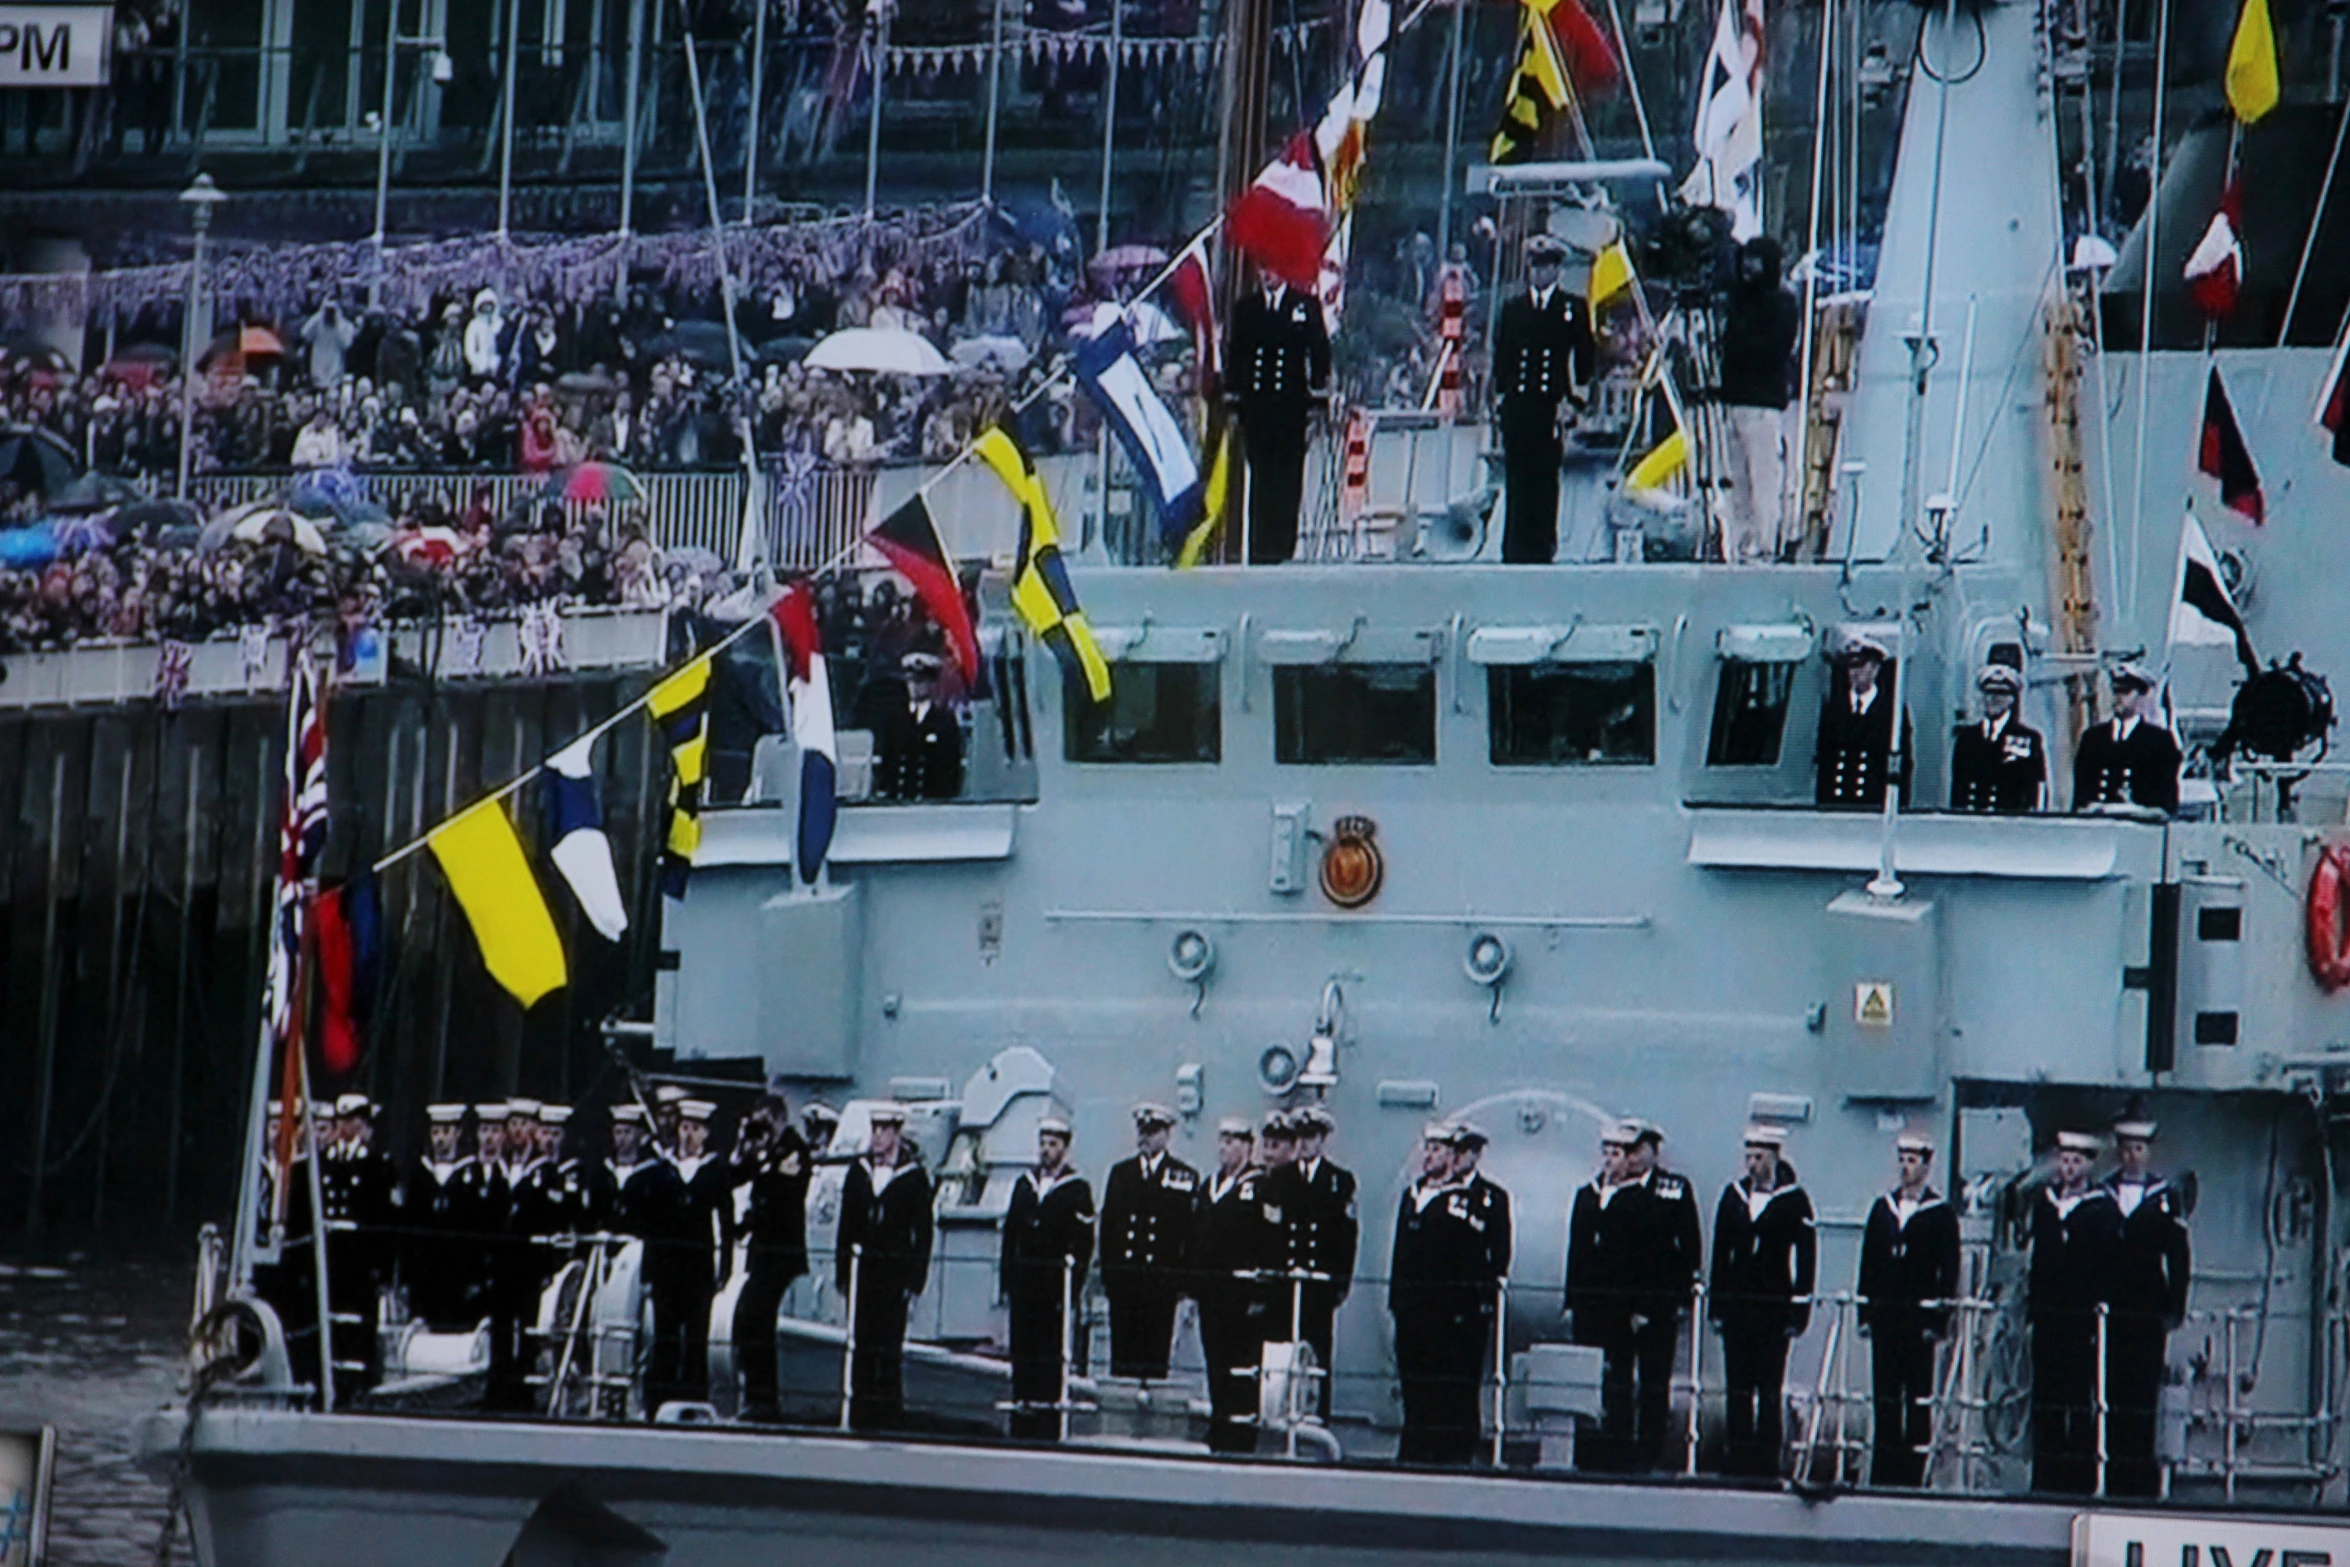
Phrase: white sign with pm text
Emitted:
{"points": [[56, 45]]}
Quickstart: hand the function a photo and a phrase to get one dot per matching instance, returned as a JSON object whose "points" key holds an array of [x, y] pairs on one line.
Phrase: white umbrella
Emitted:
{"points": [[881, 350], [277, 525]]}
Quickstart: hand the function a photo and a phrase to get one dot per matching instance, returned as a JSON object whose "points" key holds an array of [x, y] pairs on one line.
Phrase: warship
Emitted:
{"points": [[1412, 835]]}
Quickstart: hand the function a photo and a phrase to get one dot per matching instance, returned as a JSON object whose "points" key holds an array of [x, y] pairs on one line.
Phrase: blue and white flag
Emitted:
{"points": [[809, 686], [1109, 371], [575, 828]]}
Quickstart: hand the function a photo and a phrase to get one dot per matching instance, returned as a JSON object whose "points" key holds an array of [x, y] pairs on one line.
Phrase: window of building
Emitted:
{"points": [[1380, 714], [1572, 715], [1156, 713], [1750, 713]]}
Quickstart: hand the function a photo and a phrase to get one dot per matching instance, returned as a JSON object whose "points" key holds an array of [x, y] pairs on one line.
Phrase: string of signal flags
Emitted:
{"points": [[1293, 221]]}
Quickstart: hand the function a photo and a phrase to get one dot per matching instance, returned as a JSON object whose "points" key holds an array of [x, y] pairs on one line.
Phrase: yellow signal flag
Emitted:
{"points": [[1215, 496], [1611, 274], [2252, 64], [493, 883], [1664, 460]]}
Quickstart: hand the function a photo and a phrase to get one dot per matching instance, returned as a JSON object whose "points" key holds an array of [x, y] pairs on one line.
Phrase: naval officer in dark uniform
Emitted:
{"points": [[1147, 1204], [1854, 751], [1317, 1199], [1667, 1250], [1908, 1274], [639, 1194], [1998, 763], [920, 749], [1276, 364], [2129, 759], [882, 1263], [705, 1241], [2076, 1233], [1441, 1294], [770, 1171], [1599, 1291], [1765, 1262], [1542, 356], [2149, 1300], [360, 1190], [1231, 1242], [1048, 1245]]}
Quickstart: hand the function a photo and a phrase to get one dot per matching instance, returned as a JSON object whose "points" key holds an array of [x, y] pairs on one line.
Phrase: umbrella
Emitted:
{"points": [[427, 546], [327, 492], [583, 381], [34, 545], [1129, 258], [783, 350], [879, 349], [37, 460], [258, 341], [159, 515], [593, 484], [32, 350], [92, 492], [703, 341], [1007, 352], [276, 525]]}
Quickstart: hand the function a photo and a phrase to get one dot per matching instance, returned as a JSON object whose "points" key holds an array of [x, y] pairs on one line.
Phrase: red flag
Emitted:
{"points": [[909, 538], [1590, 60], [2224, 457], [1195, 299], [1282, 221], [2333, 404], [2215, 269], [336, 957]]}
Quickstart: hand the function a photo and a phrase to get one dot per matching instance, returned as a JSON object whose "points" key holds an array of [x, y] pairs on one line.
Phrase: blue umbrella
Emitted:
{"points": [[35, 545]]}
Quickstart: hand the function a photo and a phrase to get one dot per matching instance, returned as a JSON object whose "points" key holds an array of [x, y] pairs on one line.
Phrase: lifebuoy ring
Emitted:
{"points": [[2329, 943]]}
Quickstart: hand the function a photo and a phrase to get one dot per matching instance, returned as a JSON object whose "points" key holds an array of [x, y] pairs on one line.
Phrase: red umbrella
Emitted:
{"points": [[428, 546], [593, 484]]}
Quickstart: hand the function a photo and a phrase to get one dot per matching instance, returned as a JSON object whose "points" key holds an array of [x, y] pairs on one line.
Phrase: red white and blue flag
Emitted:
{"points": [[809, 686], [301, 842]]}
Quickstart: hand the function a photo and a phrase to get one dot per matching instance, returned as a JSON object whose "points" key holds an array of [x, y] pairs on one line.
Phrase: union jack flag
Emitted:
{"points": [[301, 836]]}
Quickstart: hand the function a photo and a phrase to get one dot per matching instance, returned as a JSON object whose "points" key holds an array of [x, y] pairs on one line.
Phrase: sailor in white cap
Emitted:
{"points": [[1854, 751], [637, 1193], [1998, 762], [1908, 1276], [1147, 1204], [919, 753], [666, 1100], [1316, 1196], [1441, 1294], [360, 1191], [1543, 355], [2076, 1230], [771, 1171], [705, 1238], [441, 1220], [882, 1263], [2152, 1267], [1765, 1264], [1668, 1252], [2130, 758], [1047, 1248], [489, 1139], [1230, 1241]]}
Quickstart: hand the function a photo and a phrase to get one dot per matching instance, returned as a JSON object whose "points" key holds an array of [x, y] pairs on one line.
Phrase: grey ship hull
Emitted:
{"points": [[273, 1489]]}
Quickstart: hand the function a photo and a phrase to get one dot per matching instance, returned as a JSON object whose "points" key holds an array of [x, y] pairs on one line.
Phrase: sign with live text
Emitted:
{"points": [[2141, 1540], [28, 1460], [56, 45]]}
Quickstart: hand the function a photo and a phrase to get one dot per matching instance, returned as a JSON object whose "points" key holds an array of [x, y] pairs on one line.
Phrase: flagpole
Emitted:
{"points": [[2325, 189], [2146, 304], [1452, 132], [1799, 470]]}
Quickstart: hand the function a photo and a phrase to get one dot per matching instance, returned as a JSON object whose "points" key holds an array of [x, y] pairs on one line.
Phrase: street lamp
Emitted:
{"points": [[199, 198]]}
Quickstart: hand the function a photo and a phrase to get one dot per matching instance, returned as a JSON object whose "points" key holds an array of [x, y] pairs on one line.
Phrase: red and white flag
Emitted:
{"points": [[1195, 301], [301, 841], [2333, 403], [2215, 268], [1282, 221]]}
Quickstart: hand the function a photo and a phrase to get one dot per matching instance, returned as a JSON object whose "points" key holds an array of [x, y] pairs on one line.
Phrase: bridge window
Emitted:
{"points": [[1330, 714], [1574, 714], [1750, 713], [1156, 713]]}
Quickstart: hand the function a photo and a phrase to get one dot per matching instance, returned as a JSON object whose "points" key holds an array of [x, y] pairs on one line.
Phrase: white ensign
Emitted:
{"points": [[2139, 1540], [56, 45]]}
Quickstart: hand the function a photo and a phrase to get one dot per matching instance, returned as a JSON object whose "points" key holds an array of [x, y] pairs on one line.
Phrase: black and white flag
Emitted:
{"points": [[2201, 611]]}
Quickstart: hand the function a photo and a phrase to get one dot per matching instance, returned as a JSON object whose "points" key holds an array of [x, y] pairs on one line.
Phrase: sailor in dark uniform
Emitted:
{"points": [[2130, 759], [1276, 364], [1441, 1293], [637, 1193], [1908, 1276], [1668, 1250], [360, 1190], [1317, 1198], [519, 1265], [1599, 1291], [1765, 1262], [769, 1171], [1542, 356], [705, 1245], [920, 754], [2076, 1234], [1854, 750], [2149, 1300], [1998, 763], [1147, 1204], [1048, 1245], [289, 1285], [438, 1259], [883, 1263], [1231, 1243]]}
